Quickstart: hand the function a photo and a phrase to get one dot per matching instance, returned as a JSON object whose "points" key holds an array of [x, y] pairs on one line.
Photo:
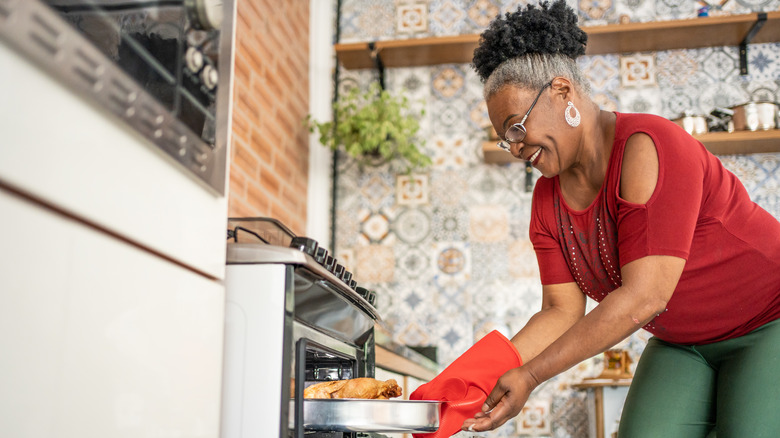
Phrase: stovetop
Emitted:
{"points": [[266, 240]]}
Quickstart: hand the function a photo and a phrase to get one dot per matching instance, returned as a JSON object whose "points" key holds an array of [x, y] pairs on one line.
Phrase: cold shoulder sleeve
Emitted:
{"points": [[665, 224]]}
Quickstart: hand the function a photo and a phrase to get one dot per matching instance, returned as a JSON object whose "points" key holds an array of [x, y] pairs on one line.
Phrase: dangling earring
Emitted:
{"points": [[573, 121]]}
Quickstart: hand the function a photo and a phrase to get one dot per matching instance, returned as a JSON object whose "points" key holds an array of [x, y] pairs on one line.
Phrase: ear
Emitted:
{"points": [[563, 88]]}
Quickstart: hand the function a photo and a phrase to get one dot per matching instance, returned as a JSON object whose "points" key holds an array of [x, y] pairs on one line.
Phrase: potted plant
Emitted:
{"points": [[374, 127]]}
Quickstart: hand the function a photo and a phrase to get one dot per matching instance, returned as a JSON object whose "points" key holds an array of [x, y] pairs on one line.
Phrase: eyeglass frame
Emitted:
{"points": [[504, 144]]}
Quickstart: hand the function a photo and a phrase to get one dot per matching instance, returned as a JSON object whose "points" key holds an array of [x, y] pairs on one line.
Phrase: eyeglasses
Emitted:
{"points": [[516, 132]]}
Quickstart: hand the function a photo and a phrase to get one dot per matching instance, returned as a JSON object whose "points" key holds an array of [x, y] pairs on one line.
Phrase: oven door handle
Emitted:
{"points": [[300, 381]]}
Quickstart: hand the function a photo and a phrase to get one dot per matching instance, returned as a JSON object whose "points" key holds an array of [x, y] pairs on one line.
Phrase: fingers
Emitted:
{"points": [[493, 419], [503, 403], [495, 396]]}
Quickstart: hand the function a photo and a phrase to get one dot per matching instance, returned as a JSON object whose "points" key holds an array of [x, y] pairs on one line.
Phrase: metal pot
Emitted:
{"points": [[755, 116], [692, 124]]}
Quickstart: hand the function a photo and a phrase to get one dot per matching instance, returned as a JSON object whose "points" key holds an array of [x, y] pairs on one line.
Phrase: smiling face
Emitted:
{"points": [[545, 133]]}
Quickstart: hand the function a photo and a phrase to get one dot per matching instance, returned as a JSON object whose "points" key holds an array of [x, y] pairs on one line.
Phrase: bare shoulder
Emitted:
{"points": [[639, 174]]}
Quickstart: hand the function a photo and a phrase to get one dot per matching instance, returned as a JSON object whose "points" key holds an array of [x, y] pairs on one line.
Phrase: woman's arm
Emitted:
{"points": [[562, 306], [648, 284]]}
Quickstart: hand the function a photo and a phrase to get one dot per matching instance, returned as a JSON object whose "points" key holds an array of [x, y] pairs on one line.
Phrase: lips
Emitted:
{"points": [[535, 156]]}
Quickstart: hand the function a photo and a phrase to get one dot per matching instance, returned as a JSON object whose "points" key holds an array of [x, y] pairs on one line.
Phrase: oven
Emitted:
{"points": [[295, 316], [154, 65]]}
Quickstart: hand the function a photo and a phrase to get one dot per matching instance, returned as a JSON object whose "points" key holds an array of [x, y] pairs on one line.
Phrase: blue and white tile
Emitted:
{"points": [[677, 101], [448, 81], [747, 6], [412, 189], [481, 13], [679, 68], [534, 418], [375, 227], [411, 18], [413, 225], [375, 189], [607, 101], [603, 71], [453, 295], [488, 223], [449, 115], [454, 335], [638, 70], [522, 260], [488, 184], [374, 264], [452, 261], [450, 223], [641, 100], [637, 11], [448, 17], [448, 187], [490, 260], [597, 12], [452, 150], [720, 63], [675, 9], [413, 262], [763, 62]]}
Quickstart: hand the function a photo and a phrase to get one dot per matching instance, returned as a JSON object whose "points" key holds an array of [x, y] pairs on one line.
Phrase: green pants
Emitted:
{"points": [[729, 388]]}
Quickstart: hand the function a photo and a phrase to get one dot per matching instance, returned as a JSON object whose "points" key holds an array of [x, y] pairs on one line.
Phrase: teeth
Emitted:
{"points": [[535, 155]]}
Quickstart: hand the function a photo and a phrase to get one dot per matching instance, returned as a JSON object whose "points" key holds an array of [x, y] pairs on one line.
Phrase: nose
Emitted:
{"points": [[516, 149]]}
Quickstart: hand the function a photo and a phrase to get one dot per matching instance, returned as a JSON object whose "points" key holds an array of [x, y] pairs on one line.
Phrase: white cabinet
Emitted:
{"points": [[100, 338]]}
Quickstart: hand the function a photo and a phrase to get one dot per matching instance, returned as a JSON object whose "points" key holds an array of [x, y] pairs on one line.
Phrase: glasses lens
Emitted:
{"points": [[515, 133], [503, 145]]}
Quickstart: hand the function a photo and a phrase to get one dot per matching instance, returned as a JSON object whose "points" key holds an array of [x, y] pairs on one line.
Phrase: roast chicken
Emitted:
{"points": [[361, 387]]}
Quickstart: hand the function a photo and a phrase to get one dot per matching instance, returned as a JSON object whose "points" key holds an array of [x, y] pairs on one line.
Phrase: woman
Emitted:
{"points": [[636, 214]]}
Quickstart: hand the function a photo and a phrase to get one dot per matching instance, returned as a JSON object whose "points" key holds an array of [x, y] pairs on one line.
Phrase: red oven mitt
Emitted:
{"points": [[465, 384]]}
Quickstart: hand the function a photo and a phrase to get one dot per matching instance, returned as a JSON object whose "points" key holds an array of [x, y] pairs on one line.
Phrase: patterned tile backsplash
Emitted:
{"points": [[447, 251]]}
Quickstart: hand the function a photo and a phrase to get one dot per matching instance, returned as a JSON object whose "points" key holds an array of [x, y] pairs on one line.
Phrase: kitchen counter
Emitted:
{"points": [[401, 359]]}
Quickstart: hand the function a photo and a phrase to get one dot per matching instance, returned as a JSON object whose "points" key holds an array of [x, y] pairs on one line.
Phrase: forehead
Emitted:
{"points": [[507, 101]]}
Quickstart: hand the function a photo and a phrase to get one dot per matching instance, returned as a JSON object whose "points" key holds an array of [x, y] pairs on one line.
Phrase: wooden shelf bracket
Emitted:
{"points": [[743, 64]]}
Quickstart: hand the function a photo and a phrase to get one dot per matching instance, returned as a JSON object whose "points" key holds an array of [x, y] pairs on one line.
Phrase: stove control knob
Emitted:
{"points": [[372, 298], [321, 255], [209, 76], [330, 263], [205, 14], [338, 271], [363, 292], [346, 277], [305, 244], [193, 58]]}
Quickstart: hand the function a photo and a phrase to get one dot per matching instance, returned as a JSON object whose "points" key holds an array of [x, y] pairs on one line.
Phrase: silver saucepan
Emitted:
{"points": [[755, 116], [692, 123]]}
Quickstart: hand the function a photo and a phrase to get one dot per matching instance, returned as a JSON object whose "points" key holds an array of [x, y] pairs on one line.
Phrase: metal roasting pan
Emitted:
{"points": [[360, 415]]}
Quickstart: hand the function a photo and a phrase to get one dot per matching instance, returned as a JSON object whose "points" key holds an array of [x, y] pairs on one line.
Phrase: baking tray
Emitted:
{"points": [[361, 415]]}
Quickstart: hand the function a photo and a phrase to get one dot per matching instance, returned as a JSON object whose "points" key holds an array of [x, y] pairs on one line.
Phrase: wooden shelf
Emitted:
{"points": [[727, 30], [719, 143], [741, 142]]}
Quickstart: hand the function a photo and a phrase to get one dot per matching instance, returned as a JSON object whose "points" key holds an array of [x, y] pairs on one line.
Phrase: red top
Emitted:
{"points": [[699, 211]]}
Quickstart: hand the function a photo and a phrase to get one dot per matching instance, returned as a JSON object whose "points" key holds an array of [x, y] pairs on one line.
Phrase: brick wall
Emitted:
{"points": [[269, 151]]}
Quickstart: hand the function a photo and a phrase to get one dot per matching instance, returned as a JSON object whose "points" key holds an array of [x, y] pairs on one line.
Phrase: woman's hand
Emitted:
{"points": [[504, 402]]}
